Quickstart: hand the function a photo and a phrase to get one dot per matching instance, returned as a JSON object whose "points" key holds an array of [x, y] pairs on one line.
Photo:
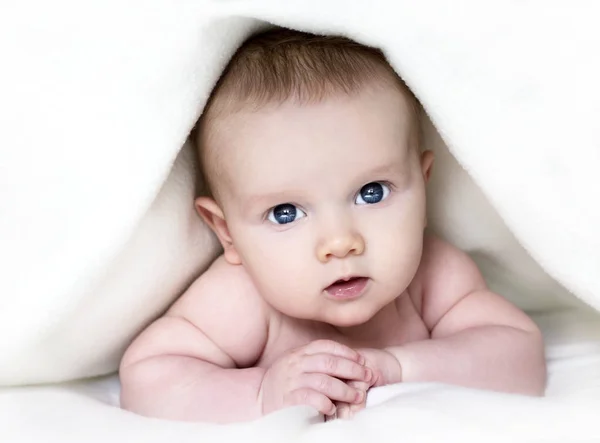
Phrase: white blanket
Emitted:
{"points": [[97, 231], [86, 411]]}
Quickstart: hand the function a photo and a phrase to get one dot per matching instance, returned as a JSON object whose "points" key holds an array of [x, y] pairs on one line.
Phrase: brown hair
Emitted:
{"points": [[282, 64]]}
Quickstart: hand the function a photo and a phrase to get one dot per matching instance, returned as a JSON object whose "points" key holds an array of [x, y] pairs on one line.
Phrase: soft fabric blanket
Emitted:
{"points": [[97, 229], [86, 411]]}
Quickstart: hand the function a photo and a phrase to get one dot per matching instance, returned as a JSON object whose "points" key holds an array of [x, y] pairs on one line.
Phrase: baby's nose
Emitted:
{"points": [[340, 245]]}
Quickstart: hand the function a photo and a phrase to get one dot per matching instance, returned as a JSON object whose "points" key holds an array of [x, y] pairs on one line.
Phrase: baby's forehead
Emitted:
{"points": [[280, 65], [251, 140]]}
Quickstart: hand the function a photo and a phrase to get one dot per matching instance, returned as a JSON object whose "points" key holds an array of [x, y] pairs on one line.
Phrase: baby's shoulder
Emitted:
{"points": [[445, 275], [443, 258], [442, 263], [225, 304]]}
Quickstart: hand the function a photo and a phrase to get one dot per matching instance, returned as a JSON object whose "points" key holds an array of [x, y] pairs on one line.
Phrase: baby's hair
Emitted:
{"points": [[282, 64]]}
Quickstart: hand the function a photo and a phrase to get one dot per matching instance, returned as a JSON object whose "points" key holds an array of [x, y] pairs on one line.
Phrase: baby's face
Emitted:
{"points": [[325, 203]]}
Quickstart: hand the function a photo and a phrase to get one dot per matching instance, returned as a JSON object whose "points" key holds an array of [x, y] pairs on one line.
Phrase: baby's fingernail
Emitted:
{"points": [[360, 396], [361, 360]]}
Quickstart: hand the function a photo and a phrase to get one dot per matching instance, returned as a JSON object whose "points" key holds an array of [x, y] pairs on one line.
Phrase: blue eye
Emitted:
{"points": [[372, 193], [286, 213]]}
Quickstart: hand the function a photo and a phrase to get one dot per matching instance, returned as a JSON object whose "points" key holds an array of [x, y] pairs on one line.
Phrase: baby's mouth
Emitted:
{"points": [[347, 288]]}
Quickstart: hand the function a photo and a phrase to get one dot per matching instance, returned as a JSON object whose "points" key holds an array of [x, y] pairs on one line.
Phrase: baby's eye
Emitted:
{"points": [[285, 213], [372, 193]]}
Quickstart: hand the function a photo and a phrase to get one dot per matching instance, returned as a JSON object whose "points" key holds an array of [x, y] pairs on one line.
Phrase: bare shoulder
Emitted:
{"points": [[455, 296], [226, 306], [443, 258], [221, 318], [445, 274]]}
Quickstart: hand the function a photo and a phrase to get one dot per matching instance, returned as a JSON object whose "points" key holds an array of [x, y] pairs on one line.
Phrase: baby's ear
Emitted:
{"points": [[427, 158], [213, 216]]}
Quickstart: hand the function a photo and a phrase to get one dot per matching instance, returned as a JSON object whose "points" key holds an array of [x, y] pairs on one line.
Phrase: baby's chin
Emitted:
{"points": [[337, 314], [348, 316]]}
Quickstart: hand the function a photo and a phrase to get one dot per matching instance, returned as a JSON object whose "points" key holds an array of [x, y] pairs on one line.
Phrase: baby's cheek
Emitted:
{"points": [[284, 282], [395, 255]]}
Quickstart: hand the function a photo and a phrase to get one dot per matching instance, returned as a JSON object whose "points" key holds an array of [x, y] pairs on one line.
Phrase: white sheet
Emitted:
{"points": [[409, 413]]}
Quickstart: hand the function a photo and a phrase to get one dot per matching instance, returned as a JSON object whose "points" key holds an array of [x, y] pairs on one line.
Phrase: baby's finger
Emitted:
{"points": [[336, 366], [359, 384], [342, 411], [310, 397], [345, 411], [334, 389], [355, 408], [333, 348]]}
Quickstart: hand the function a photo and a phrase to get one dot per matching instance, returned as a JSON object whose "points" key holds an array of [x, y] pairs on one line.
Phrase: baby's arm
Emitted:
{"points": [[195, 363], [478, 339], [183, 366]]}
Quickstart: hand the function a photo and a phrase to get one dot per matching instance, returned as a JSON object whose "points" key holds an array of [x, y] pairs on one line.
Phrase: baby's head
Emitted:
{"points": [[310, 148]]}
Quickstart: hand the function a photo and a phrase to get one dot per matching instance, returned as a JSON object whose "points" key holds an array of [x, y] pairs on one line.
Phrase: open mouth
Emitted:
{"points": [[347, 288]]}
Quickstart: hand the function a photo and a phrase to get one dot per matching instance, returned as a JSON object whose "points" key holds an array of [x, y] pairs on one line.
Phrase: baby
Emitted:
{"points": [[328, 284]]}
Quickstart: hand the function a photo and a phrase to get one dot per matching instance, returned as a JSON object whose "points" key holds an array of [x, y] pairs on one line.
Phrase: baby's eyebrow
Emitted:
{"points": [[383, 169], [379, 172], [251, 200]]}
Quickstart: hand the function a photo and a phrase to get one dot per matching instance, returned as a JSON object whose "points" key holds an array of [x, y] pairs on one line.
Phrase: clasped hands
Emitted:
{"points": [[328, 376]]}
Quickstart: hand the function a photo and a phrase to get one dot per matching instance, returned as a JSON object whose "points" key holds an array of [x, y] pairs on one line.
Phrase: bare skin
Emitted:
{"points": [[267, 326], [187, 365]]}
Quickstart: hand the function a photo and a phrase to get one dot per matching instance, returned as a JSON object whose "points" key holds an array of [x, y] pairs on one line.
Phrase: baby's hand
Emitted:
{"points": [[385, 369], [347, 410], [312, 375]]}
